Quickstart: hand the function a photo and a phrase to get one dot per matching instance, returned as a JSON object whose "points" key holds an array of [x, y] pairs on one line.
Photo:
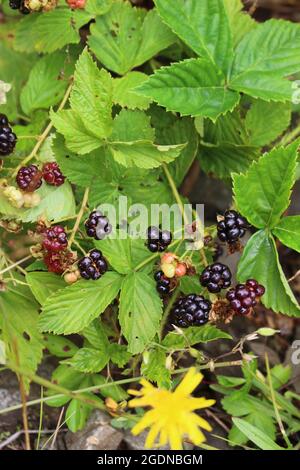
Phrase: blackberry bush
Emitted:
{"points": [[117, 105]]}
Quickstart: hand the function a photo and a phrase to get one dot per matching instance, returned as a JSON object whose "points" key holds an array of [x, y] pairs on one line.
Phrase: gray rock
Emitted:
{"points": [[9, 398], [98, 434]]}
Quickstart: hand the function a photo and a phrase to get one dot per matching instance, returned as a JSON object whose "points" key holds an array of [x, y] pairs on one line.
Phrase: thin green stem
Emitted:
{"points": [[167, 312], [16, 264], [77, 393], [175, 193], [277, 414], [153, 257], [290, 136], [79, 216]]}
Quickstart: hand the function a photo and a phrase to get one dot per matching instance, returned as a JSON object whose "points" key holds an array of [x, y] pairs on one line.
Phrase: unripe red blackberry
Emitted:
{"points": [[192, 310], [216, 277], [245, 296], [92, 266], [7, 137], [57, 262], [158, 240], [163, 284], [55, 239], [52, 174], [76, 4], [232, 227], [97, 225], [29, 178]]}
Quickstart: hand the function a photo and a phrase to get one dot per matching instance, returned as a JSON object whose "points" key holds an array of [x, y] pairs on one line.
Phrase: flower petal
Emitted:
{"points": [[189, 382]]}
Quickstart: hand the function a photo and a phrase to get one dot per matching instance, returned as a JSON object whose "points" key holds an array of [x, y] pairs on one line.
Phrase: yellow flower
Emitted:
{"points": [[171, 415]]}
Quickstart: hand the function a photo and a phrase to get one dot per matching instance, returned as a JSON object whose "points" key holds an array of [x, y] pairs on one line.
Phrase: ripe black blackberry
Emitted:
{"points": [[97, 225], [244, 296], [52, 174], [192, 310], [92, 266], [232, 227], [55, 239], [15, 4], [29, 178], [19, 5], [163, 284], [7, 138], [158, 240], [216, 277]]}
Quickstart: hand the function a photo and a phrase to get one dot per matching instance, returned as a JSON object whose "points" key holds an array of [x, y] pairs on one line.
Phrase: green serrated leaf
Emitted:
{"points": [[203, 26], [193, 87], [260, 261], [288, 232], [154, 369], [143, 153], [183, 130], [89, 360], [43, 284], [224, 159], [240, 21], [48, 31], [73, 308], [78, 412], [261, 71], [118, 354], [59, 346], [18, 317], [56, 203], [124, 94], [140, 310], [47, 82], [271, 180], [193, 335], [279, 114], [68, 378], [126, 37], [118, 253], [91, 96]]}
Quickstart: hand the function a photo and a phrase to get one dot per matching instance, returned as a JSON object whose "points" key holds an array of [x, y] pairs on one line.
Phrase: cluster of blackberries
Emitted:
{"points": [[52, 174], [97, 225], [244, 296], [19, 5], [216, 277], [92, 266], [232, 227], [158, 240], [7, 138], [192, 310], [163, 283], [29, 178], [55, 239]]}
